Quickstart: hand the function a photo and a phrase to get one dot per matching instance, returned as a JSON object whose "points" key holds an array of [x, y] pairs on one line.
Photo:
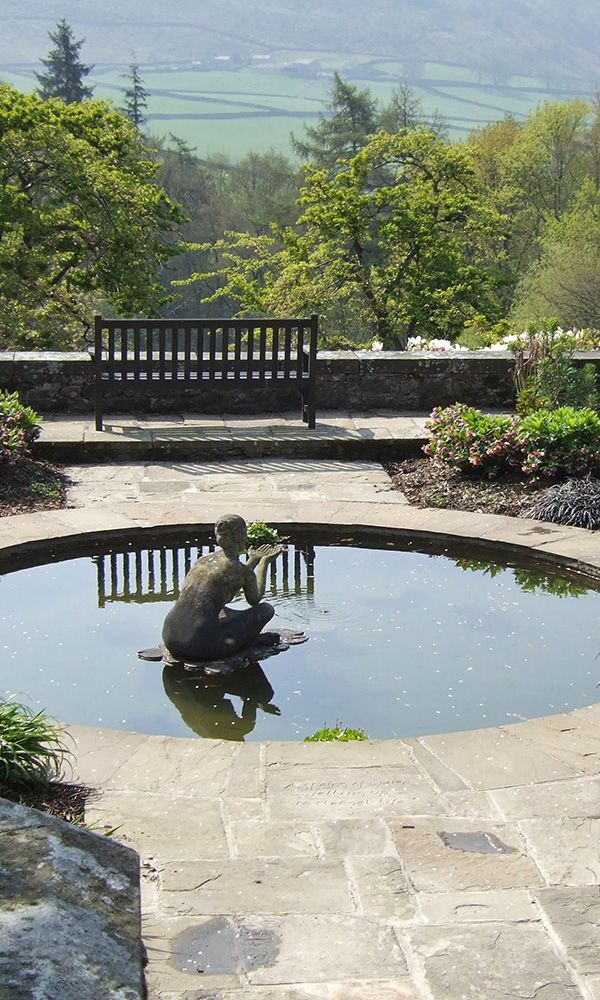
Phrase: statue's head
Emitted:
{"points": [[231, 531]]}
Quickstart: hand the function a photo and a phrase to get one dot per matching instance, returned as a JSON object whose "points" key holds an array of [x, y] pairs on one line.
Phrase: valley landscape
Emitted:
{"points": [[236, 77]]}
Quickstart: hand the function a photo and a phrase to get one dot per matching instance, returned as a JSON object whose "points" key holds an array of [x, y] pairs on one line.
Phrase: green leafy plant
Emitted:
{"points": [[546, 376], [45, 491], [260, 533], [19, 427], [339, 342], [32, 749], [561, 442], [467, 439], [337, 734]]}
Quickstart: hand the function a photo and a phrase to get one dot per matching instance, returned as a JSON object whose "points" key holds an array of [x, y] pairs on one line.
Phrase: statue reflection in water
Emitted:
{"points": [[205, 707]]}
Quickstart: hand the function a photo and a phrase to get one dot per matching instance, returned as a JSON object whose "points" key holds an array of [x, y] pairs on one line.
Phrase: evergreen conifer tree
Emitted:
{"points": [[65, 73], [339, 134], [135, 97]]}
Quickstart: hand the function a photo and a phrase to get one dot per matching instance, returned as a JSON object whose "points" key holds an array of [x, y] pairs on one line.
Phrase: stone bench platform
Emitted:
{"points": [[338, 435]]}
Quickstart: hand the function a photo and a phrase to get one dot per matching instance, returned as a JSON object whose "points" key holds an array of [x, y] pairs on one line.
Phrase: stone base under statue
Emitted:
{"points": [[265, 645]]}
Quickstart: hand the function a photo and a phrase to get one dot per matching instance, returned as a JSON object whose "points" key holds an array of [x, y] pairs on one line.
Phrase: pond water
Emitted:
{"points": [[401, 643]]}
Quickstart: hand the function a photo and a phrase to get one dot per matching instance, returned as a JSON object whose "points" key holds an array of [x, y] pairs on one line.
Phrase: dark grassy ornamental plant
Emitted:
{"points": [[576, 503], [32, 749], [19, 427]]}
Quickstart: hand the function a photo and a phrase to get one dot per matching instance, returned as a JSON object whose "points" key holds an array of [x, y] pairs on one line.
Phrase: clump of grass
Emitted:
{"points": [[336, 734], [32, 748]]}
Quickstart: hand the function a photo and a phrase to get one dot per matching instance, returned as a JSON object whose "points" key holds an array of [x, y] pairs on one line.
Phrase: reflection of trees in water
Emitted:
{"points": [[145, 575], [529, 581], [205, 708]]}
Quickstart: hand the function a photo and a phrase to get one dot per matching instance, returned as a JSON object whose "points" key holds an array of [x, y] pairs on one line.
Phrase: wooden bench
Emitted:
{"points": [[192, 353]]}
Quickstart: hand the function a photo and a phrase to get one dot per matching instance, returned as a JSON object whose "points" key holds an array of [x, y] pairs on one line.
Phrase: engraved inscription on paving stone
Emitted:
{"points": [[477, 842], [220, 946], [358, 793]]}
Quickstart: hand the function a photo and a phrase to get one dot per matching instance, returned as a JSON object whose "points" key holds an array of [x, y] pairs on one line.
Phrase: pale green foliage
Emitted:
{"points": [[400, 238], [260, 533], [80, 218], [219, 196], [336, 734], [565, 282], [533, 172]]}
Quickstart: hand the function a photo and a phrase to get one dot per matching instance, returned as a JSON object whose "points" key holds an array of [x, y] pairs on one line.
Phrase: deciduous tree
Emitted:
{"points": [[81, 218], [401, 238]]}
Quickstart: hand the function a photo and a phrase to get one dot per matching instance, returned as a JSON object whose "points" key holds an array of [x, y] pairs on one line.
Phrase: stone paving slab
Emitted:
{"points": [[491, 962], [566, 850], [575, 915]]}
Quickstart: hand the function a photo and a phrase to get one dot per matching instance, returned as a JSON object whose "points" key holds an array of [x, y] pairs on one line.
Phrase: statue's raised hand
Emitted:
{"points": [[264, 553]]}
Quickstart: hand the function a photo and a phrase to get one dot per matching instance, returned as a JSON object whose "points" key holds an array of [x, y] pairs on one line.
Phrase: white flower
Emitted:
{"points": [[376, 345]]}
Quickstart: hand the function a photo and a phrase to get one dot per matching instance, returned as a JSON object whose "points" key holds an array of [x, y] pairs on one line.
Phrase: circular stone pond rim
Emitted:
{"points": [[73, 531]]}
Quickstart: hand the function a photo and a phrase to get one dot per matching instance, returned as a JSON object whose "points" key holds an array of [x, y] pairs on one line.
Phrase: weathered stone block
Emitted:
{"points": [[69, 911]]}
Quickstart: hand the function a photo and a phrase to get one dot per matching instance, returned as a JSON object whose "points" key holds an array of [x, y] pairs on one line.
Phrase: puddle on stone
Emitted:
{"points": [[476, 842], [222, 946]]}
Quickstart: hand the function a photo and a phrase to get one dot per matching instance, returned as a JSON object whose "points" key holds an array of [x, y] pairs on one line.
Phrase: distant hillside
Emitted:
{"points": [[557, 41]]}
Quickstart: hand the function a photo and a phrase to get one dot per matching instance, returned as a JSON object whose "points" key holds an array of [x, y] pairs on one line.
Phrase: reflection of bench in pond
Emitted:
{"points": [[144, 575]]}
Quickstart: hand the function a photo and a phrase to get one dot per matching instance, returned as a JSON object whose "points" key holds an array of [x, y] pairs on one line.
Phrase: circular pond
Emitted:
{"points": [[401, 643]]}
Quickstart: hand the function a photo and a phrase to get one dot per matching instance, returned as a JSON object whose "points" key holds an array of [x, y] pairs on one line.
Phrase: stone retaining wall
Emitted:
{"points": [[361, 380]]}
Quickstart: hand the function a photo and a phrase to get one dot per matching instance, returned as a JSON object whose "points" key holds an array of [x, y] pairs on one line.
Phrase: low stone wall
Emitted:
{"points": [[361, 380]]}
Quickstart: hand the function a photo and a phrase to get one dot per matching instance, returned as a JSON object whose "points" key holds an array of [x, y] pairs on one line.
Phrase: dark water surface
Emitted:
{"points": [[401, 644]]}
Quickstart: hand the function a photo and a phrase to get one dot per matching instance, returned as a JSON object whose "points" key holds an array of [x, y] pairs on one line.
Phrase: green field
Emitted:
{"points": [[235, 111]]}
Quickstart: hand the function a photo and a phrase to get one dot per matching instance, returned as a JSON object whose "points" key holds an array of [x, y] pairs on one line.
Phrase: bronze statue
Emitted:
{"points": [[200, 627]]}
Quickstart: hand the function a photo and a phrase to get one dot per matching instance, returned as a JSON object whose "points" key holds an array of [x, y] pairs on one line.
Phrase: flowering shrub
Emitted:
{"points": [[19, 427], [577, 340], [467, 439], [433, 344], [559, 442]]}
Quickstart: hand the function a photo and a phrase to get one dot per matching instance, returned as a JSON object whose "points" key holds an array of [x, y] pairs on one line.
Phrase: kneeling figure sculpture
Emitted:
{"points": [[200, 627]]}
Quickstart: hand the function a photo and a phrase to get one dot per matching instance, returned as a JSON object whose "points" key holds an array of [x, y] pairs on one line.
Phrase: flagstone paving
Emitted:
{"points": [[450, 867], [350, 871]]}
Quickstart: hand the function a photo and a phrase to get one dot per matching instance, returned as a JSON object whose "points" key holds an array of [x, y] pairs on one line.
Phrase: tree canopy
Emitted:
{"points": [[81, 218], [65, 72], [400, 238]]}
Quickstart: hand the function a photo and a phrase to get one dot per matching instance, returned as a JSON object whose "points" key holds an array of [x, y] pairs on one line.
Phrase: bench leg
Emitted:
{"points": [[98, 406], [309, 407]]}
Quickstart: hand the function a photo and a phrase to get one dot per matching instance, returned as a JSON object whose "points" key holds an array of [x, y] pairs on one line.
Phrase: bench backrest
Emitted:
{"points": [[193, 349]]}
